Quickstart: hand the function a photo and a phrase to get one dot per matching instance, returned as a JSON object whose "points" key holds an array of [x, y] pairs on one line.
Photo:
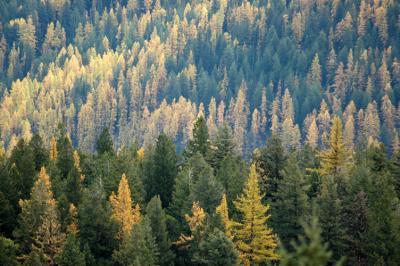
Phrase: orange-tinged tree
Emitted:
{"points": [[123, 211]]}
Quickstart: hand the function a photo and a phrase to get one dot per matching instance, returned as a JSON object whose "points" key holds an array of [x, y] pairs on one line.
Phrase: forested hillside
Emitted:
{"points": [[201, 132], [141, 68]]}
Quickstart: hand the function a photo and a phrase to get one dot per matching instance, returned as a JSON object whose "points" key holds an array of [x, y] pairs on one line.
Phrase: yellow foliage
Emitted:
{"points": [[123, 211], [53, 149], [336, 159], [254, 240], [223, 212], [194, 221], [140, 153]]}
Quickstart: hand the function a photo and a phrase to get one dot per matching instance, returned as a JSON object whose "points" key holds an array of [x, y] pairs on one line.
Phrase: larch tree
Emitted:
{"points": [[123, 210], [39, 229], [335, 161], [254, 240], [223, 211], [312, 134]]}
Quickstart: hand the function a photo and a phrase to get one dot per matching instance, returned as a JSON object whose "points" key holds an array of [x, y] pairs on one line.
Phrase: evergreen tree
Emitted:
{"points": [[139, 249], [160, 170], [65, 160], [200, 142], [291, 205], [254, 240], [309, 250], [333, 230], [8, 252], [96, 228], [40, 206], [157, 220], [223, 146], [270, 161], [71, 254], [204, 188], [215, 249], [39, 152], [104, 143]]}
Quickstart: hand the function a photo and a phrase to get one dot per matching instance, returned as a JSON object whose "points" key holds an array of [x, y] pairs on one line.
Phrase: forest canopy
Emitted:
{"points": [[200, 132]]}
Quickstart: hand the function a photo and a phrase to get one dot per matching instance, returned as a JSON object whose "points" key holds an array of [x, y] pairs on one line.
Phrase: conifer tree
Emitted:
{"points": [[254, 240], [48, 240], [270, 161], [140, 248], [310, 249], [104, 143], [97, 230], [39, 225], [200, 142], [160, 170], [335, 160], [223, 211], [123, 210], [291, 204], [157, 220]]}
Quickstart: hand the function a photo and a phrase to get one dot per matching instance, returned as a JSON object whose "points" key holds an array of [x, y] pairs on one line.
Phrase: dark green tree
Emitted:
{"points": [[8, 252], [160, 170], [157, 219], [215, 249], [200, 142], [291, 205], [140, 249], [223, 146], [270, 161], [96, 227], [104, 143], [65, 160], [71, 254], [204, 187], [310, 249], [40, 153]]}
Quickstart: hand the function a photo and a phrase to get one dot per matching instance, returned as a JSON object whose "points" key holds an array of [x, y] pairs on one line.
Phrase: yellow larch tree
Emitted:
{"points": [[53, 149], [194, 221], [223, 211], [254, 240], [123, 211], [336, 158]]}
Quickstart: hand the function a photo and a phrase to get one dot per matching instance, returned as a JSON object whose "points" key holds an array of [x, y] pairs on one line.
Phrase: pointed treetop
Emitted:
{"points": [[123, 211]]}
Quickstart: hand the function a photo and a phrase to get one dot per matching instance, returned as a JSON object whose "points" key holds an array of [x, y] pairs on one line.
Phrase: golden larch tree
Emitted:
{"points": [[253, 238], [123, 211], [223, 211], [336, 159]]}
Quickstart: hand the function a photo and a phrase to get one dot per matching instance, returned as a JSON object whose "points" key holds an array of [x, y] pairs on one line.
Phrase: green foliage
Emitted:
{"points": [[291, 205], [270, 161], [310, 249], [215, 249], [140, 249], [71, 254], [204, 187], [200, 143], [160, 169], [97, 229], [104, 143], [8, 252], [157, 220]]}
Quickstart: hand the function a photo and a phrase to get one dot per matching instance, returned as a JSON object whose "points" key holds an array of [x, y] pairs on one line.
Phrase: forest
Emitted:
{"points": [[199, 132]]}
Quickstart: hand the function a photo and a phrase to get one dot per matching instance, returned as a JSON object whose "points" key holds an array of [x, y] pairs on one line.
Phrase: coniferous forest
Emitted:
{"points": [[199, 132]]}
